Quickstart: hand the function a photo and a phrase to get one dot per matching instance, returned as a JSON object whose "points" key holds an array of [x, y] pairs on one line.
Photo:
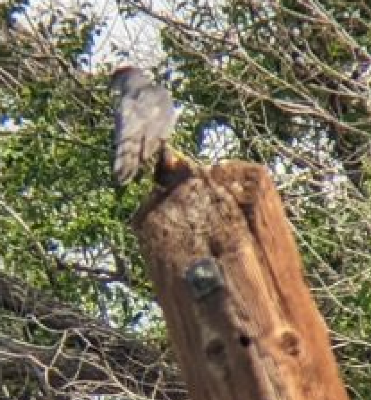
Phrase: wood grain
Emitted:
{"points": [[257, 334]]}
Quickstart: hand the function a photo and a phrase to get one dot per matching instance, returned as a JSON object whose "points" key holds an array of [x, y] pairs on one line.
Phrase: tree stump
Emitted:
{"points": [[229, 279]]}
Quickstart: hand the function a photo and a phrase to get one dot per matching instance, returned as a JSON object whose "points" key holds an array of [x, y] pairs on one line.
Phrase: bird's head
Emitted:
{"points": [[126, 78]]}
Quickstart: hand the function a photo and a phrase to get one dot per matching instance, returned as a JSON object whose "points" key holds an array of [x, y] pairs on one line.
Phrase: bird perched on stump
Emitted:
{"points": [[144, 119]]}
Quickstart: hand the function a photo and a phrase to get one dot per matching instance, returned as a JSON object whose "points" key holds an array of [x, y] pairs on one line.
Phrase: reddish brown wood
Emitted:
{"points": [[254, 333]]}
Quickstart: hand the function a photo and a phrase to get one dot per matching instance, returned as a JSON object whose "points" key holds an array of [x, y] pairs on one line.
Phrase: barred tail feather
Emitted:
{"points": [[127, 161]]}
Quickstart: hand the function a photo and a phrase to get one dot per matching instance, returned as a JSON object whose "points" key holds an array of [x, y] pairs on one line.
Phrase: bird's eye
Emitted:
{"points": [[116, 95]]}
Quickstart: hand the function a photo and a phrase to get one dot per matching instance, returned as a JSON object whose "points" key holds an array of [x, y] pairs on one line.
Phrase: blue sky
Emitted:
{"points": [[138, 36]]}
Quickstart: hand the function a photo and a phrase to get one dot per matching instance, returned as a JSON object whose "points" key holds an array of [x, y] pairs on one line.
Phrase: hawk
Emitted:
{"points": [[144, 119]]}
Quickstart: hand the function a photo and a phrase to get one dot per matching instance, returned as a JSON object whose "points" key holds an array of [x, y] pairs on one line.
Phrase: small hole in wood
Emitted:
{"points": [[245, 341], [249, 209], [215, 248], [290, 343], [216, 352]]}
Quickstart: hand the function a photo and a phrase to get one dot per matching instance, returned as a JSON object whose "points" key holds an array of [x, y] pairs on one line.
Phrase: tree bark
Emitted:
{"points": [[229, 279]]}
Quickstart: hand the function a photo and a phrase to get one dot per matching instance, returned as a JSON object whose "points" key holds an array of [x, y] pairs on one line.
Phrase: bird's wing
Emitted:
{"points": [[143, 119]]}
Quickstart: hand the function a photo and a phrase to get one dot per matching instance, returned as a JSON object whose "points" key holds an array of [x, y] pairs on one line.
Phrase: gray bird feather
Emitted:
{"points": [[144, 120]]}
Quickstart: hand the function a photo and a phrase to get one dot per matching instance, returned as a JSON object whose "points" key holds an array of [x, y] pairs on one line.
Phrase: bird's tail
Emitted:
{"points": [[128, 160]]}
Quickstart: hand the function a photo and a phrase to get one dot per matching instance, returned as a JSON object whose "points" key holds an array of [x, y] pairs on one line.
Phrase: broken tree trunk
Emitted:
{"points": [[229, 279]]}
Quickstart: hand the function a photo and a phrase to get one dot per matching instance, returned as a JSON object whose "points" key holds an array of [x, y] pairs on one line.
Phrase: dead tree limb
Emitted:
{"points": [[229, 279], [84, 355]]}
